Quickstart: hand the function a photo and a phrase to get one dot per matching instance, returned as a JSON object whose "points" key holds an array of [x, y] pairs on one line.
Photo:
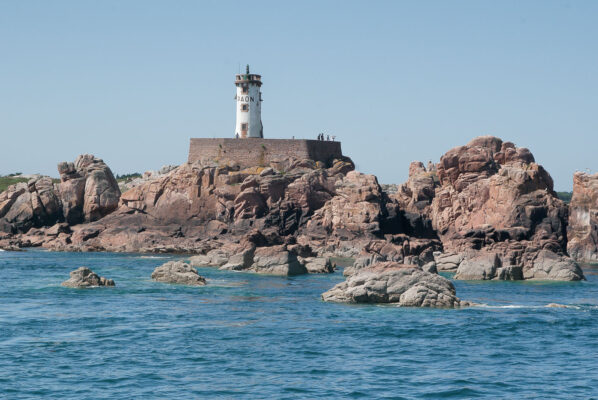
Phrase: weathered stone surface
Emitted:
{"points": [[492, 196], [276, 260], [398, 248], [356, 209], [84, 277], [241, 258], [390, 282], [582, 231], [178, 272], [317, 265], [448, 261], [214, 258], [481, 266], [417, 193], [88, 189], [27, 205], [551, 266]]}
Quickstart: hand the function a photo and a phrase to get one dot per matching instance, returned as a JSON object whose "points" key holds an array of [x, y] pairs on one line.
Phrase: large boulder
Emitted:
{"points": [[390, 282], [318, 265], [178, 272], [84, 277], [480, 267], [582, 231], [448, 261], [88, 189], [548, 265], [276, 260]]}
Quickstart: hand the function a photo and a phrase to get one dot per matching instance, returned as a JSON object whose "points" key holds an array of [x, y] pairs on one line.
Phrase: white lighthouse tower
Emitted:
{"points": [[249, 106]]}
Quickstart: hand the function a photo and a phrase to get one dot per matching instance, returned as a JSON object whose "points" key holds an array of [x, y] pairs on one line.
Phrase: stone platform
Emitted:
{"points": [[260, 152]]}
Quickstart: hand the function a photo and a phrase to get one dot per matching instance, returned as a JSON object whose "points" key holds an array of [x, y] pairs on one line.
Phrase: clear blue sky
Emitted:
{"points": [[395, 81]]}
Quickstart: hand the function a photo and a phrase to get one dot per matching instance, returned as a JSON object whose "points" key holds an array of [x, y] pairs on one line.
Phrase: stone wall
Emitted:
{"points": [[253, 151]]}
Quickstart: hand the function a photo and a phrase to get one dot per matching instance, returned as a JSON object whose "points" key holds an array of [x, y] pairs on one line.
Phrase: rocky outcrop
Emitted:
{"points": [[178, 272], [493, 196], [582, 231], [88, 189], [400, 248], [146, 177], [492, 192], [87, 192], [390, 282], [27, 205], [84, 277], [417, 193], [487, 196], [196, 203], [356, 210], [263, 255]]}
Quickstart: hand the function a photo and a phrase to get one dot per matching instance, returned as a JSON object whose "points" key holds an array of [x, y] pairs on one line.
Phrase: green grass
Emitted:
{"points": [[6, 181], [124, 178], [565, 196]]}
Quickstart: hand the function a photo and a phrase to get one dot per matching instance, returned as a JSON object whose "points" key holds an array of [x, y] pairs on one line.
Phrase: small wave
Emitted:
{"points": [[153, 257], [511, 306], [521, 306], [557, 305]]}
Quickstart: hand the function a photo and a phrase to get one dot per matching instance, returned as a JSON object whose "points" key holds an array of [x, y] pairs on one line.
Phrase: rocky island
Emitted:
{"points": [[486, 210]]}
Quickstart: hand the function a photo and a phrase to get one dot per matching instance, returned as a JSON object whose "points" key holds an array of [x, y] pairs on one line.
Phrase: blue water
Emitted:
{"points": [[252, 336]]}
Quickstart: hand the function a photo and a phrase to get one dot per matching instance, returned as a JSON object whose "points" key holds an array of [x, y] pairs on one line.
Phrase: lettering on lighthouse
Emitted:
{"points": [[245, 99]]}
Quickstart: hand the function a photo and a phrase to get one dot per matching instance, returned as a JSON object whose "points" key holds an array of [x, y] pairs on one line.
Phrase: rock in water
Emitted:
{"points": [[390, 282], [318, 265], [84, 277], [553, 267], [178, 272], [276, 260], [582, 231], [481, 266]]}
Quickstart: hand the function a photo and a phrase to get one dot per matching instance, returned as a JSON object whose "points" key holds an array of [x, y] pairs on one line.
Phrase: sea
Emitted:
{"points": [[247, 336]]}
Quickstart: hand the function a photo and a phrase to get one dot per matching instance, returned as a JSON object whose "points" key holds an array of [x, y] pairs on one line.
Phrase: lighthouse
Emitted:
{"points": [[249, 106]]}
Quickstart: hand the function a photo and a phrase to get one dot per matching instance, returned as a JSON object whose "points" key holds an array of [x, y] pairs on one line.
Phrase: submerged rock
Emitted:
{"points": [[178, 272], [84, 277], [390, 282]]}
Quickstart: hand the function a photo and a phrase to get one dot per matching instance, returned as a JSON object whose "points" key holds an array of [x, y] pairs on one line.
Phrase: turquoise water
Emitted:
{"points": [[252, 336]]}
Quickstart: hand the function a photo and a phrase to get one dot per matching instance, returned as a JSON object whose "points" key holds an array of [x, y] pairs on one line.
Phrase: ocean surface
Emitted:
{"points": [[246, 336]]}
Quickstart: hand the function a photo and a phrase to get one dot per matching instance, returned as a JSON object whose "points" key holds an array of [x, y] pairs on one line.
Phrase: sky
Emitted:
{"points": [[394, 81]]}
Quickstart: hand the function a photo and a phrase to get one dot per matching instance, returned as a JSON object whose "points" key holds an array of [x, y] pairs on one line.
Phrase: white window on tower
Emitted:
{"points": [[244, 126], [245, 107]]}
